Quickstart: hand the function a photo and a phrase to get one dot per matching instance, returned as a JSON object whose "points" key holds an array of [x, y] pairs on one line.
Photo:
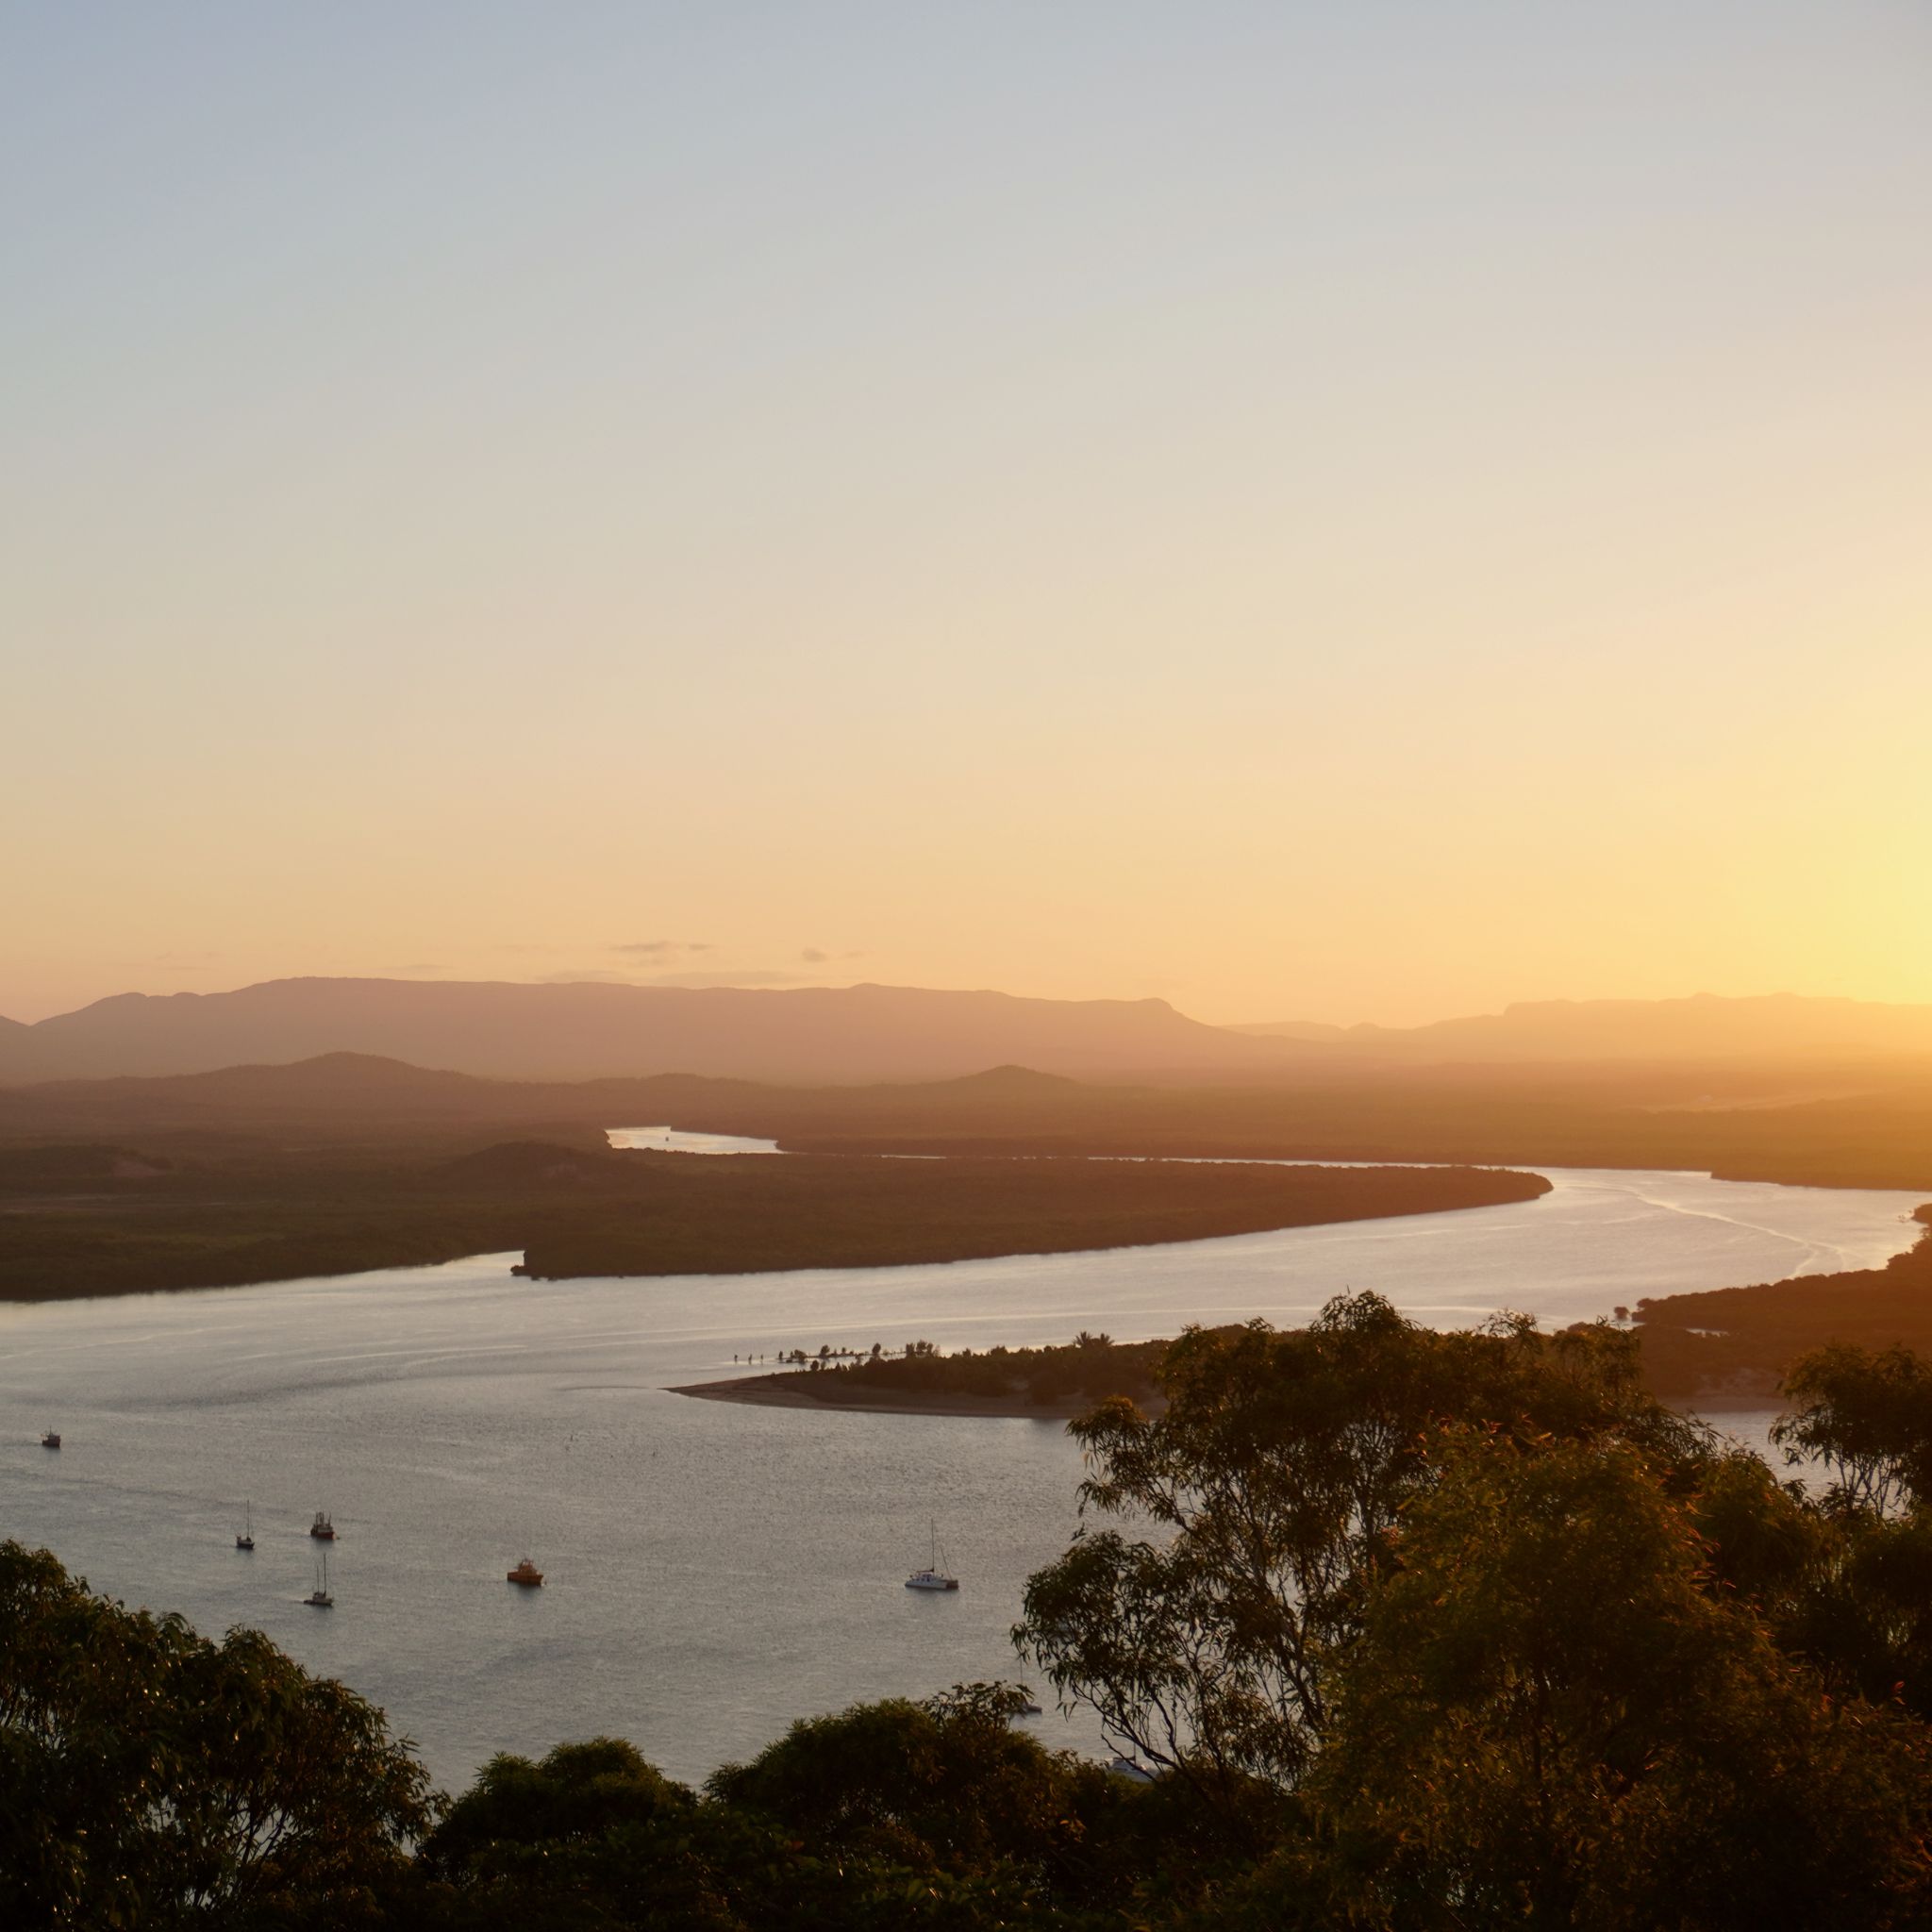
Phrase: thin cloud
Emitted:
{"points": [[752, 976], [663, 949]]}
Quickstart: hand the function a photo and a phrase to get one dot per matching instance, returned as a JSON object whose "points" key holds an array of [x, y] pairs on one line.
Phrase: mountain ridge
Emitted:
{"points": [[504, 1029], [1698, 1027]]}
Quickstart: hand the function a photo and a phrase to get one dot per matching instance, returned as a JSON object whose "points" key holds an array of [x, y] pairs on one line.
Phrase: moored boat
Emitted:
{"points": [[245, 1538], [51, 1439], [322, 1528], [319, 1598], [934, 1577], [526, 1572]]}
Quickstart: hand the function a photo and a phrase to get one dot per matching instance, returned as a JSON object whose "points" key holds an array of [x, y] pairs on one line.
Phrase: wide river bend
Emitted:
{"points": [[714, 1570]]}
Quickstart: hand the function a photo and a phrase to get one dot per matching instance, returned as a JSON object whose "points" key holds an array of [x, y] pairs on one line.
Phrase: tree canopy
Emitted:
{"points": [[1417, 1630]]}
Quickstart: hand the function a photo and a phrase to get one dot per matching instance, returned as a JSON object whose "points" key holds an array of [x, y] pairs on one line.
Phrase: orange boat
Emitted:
{"points": [[526, 1572]]}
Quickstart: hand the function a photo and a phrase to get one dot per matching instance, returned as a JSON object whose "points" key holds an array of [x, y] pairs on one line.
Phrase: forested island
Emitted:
{"points": [[1455, 1629], [121, 1219]]}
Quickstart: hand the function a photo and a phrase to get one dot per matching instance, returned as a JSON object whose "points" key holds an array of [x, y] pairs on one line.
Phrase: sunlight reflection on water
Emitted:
{"points": [[714, 1570]]}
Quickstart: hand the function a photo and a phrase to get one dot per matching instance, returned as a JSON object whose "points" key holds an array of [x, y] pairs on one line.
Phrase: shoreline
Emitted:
{"points": [[781, 1390]]}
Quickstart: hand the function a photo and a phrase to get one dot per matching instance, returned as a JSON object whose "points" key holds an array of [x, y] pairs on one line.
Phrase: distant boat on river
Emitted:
{"points": [[51, 1439], [322, 1528], [319, 1597], [246, 1539], [526, 1572], [934, 1575]]}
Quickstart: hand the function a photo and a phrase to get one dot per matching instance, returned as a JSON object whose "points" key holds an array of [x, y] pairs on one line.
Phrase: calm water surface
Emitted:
{"points": [[714, 1570]]}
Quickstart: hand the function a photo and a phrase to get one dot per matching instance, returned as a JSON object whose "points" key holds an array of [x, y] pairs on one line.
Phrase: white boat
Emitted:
{"points": [[934, 1575], [319, 1597]]}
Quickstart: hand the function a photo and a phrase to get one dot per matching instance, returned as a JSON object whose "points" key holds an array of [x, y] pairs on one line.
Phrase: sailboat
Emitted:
{"points": [[934, 1575], [319, 1597], [246, 1539]]}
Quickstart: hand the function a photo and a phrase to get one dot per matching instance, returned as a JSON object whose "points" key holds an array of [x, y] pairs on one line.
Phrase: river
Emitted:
{"points": [[714, 1570]]}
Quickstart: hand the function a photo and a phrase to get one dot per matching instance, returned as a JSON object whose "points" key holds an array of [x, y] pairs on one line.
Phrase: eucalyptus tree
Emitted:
{"points": [[1553, 1718], [1246, 1524], [152, 1777]]}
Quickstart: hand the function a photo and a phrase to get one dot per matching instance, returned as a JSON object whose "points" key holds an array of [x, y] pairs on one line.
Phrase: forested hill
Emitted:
{"points": [[1867, 1132]]}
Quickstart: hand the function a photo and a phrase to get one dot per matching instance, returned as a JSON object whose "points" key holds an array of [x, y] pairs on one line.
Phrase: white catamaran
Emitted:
{"points": [[934, 1575]]}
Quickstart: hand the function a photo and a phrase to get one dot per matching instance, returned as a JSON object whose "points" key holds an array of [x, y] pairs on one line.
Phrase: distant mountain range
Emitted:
{"points": [[1775, 1026], [860, 1033], [508, 1031]]}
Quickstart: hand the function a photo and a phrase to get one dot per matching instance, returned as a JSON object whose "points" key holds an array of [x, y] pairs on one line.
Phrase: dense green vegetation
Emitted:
{"points": [[1708, 1344], [149, 1777], [1420, 1631], [1090, 1366], [1875, 1133], [77, 1221]]}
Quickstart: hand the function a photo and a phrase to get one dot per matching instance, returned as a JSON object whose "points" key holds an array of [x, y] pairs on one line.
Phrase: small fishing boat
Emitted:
{"points": [[322, 1529], [245, 1540], [51, 1439], [934, 1575], [526, 1572], [319, 1597]]}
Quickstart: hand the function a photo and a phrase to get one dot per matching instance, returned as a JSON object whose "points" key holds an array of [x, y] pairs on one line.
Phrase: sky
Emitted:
{"points": [[1357, 512]]}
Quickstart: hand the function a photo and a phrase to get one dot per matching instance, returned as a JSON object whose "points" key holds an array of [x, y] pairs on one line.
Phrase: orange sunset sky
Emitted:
{"points": [[1350, 513]]}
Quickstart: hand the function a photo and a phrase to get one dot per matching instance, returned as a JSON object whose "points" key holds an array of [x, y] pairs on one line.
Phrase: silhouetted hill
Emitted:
{"points": [[582, 1032], [1775, 1026], [536, 1164], [1874, 1131], [1008, 1083]]}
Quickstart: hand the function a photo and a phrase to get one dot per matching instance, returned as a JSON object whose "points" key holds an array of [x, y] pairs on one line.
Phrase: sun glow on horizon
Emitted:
{"points": [[1363, 516]]}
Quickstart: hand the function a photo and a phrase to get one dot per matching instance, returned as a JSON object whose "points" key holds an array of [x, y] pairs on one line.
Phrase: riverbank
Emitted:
{"points": [[1703, 1350], [124, 1219], [1733, 1344], [791, 1389]]}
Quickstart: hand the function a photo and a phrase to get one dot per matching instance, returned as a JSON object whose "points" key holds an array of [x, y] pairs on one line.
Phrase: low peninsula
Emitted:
{"points": [[1718, 1347], [1733, 1344], [1047, 1383], [128, 1218]]}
